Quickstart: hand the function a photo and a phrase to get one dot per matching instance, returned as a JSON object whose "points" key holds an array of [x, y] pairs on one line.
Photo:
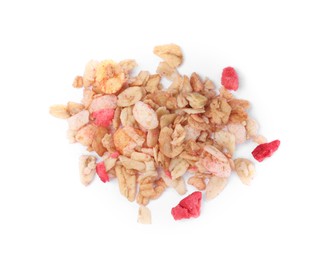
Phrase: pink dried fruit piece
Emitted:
{"points": [[168, 173], [188, 207], [229, 78], [265, 150], [114, 155], [101, 172], [103, 117]]}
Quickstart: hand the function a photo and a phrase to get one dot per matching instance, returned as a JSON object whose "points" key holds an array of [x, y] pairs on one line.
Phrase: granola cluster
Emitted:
{"points": [[150, 138]]}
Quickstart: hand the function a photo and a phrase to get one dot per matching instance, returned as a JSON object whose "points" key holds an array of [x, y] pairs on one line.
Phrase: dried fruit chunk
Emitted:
{"points": [[171, 53], [87, 166], [103, 117], [145, 115], [188, 207], [229, 78], [265, 150], [129, 96], [245, 170], [144, 216], [101, 172], [215, 186]]}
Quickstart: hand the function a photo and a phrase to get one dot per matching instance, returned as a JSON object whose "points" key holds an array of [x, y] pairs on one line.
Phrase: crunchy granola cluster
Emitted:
{"points": [[149, 138]]}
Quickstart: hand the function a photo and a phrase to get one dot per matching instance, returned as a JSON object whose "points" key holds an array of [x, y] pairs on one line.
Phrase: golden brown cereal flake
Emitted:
{"points": [[171, 53]]}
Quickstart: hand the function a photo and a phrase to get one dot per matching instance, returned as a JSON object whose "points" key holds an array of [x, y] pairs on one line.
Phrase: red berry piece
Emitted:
{"points": [[229, 78], [188, 207], [263, 151], [101, 172]]}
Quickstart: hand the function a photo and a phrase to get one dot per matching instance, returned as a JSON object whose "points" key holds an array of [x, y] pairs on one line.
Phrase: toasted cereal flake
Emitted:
{"points": [[87, 166], [97, 144], [75, 122], [141, 79], [180, 168], [245, 170], [226, 140], [59, 111], [128, 65], [131, 164], [198, 183], [215, 186], [217, 163], [196, 82], [89, 73], [127, 183], [251, 128], [103, 102], [259, 139], [129, 96], [196, 100], [144, 215], [171, 53], [78, 82], [109, 76], [85, 135], [165, 70], [74, 108], [239, 131], [145, 115]]}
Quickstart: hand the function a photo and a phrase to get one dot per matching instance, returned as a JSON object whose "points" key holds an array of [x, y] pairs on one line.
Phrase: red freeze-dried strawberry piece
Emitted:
{"points": [[188, 207], [101, 172], [168, 173], [103, 117], [263, 151], [229, 78], [114, 155]]}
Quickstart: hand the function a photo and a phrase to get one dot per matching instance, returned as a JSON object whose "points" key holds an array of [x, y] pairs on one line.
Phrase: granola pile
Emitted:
{"points": [[150, 138]]}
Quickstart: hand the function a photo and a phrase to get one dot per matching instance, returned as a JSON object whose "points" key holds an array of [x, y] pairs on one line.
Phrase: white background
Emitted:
{"points": [[45, 213]]}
